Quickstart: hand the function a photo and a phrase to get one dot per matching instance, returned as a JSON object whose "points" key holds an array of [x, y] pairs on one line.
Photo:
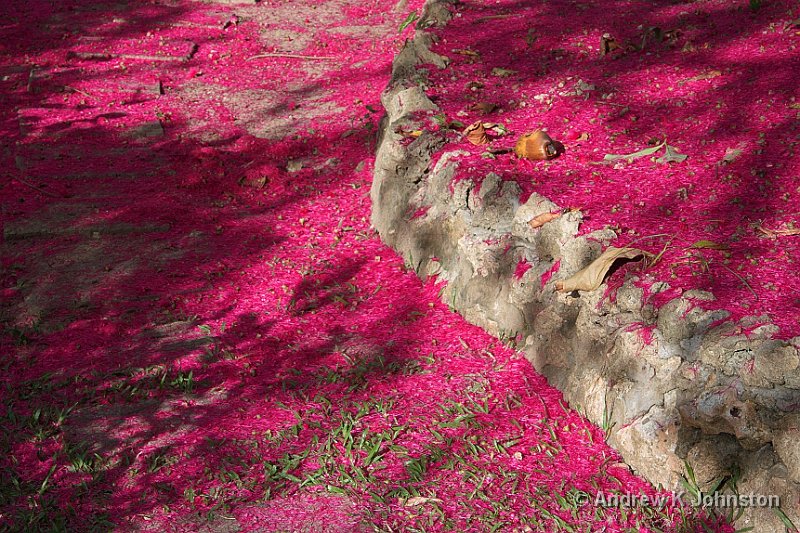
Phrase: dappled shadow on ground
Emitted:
{"points": [[164, 213], [718, 81]]}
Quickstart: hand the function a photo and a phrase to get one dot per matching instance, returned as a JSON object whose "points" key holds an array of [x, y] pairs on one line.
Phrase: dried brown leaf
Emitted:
{"points": [[731, 155], [704, 76], [466, 52], [608, 44], [476, 134], [294, 166], [540, 220], [419, 500], [591, 277], [257, 182], [402, 130], [496, 128], [483, 107], [503, 72], [773, 233]]}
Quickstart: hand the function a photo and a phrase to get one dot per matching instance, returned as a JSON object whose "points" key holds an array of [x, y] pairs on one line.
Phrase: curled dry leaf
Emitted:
{"points": [[652, 32], [419, 500], [466, 52], [591, 277], [503, 72], [608, 44], [400, 131], [476, 134], [704, 76], [536, 145], [496, 128], [483, 107], [731, 155], [773, 233], [257, 182], [540, 220]]}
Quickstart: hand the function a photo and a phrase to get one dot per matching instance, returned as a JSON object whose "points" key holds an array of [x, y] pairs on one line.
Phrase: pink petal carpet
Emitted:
{"points": [[201, 332], [716, 81]]}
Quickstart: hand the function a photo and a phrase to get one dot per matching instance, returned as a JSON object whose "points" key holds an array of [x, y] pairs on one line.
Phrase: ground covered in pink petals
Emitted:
{"points": [[200, 329], [715, 80]]}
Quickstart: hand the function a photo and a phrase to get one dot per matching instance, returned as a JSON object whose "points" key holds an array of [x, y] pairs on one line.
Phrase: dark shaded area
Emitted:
{"points": [[119, 228]]}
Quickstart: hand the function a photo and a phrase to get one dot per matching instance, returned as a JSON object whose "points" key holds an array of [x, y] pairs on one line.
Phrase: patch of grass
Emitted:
{"points": [[159, 460], [784, 519], [141, 383], [21, 336], [184, 382], [607, 424], [81, 458]]}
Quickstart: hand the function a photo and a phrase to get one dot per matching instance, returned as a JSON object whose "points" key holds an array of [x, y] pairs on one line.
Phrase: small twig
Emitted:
{"points": [[492, 17], [94, 56], [610, 103], [88, 55], [744, 281], [143, 57], [773, 233], [291, 56], [37, 189], [77, 90], [653, 236], [661, 253], [31, 79]]}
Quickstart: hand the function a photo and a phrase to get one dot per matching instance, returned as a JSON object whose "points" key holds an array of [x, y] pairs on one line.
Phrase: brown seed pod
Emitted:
{"points": [[536, 145], [476, 134]]}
